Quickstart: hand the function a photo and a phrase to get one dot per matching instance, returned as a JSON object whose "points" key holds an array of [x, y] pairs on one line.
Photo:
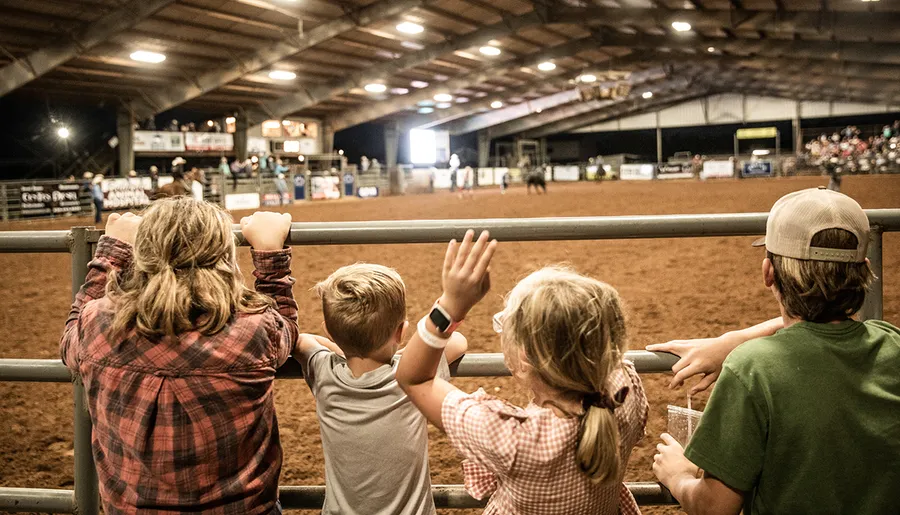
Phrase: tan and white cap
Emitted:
{"points": [[798, 216]]}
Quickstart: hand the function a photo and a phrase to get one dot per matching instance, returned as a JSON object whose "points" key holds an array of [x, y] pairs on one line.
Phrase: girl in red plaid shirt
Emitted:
{"points": [[178, 358], [563, 336]]}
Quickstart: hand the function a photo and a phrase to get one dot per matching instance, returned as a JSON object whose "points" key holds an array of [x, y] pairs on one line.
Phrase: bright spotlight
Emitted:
{"points": [[546, 66], [426, 110], [443, 97], [63, 132], [144, 56], [409, 27], [490, 50], [209, 123], [681, 26], [419, 84], [230, 120], [444, 105], [587, 78], [340, 152], [647, 94], [399, 91], [711, 49], [376, 88], [282, 75], [496, 104]]}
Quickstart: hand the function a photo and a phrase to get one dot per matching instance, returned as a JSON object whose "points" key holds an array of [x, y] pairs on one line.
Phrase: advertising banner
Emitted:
{"points": [[257, 146], [756, 169], [299, 187], [673, 171], [50, 199], [158, 141], [126, 193], [590, 173], [565, 173], [275, 199], [216, 141], [324, 187], [499, 173], [441, 178], [236, 201], [486, 176], [636, 172], [349, 184], [367, 191], [717, 169]]}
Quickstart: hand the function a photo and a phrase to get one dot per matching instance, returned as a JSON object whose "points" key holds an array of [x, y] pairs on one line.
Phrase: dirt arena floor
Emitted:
{"points": [[673, 288]]}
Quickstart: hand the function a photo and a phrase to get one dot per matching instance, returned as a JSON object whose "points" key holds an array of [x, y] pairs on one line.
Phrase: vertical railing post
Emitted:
{"points": [[873, 308], [87, 495]]}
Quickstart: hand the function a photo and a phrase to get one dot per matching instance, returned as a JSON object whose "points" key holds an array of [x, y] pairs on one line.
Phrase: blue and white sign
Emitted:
{"points": [[756, 169], [299, 187], [349, 182], [367, 191]]}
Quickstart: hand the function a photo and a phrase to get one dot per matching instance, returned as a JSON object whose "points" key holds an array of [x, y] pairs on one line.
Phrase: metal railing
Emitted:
{"points": [[81, 243]]}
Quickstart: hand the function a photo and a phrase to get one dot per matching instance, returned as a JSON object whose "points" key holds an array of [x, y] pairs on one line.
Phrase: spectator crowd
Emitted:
{"points": [[849, 151]]}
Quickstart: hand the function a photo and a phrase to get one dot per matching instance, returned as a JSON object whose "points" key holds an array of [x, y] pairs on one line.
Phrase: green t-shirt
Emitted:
{"points": [[808, 421]]}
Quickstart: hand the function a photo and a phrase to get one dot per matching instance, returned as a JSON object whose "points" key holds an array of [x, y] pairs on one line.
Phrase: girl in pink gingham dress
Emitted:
{"points": [[563, 336]]}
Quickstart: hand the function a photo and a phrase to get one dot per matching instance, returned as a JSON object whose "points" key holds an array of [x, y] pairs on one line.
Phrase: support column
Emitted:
{"points": [[241, 128], [659, 150], [797, 130], [542, 151], [484, 148], [391, 147], [125, 133], [327, 138]]}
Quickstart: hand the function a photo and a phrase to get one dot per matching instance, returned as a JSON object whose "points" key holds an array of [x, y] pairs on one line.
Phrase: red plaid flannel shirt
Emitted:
{"points": [[188, 423], [525, 458]]}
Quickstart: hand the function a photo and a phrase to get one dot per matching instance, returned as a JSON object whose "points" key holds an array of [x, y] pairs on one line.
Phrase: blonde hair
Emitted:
{"points": [[822, 291], [571, 330], [185, 275], [363, 305]]}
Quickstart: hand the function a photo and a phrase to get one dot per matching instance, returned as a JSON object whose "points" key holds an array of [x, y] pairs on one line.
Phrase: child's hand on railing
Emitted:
{"points": [[466, 277], [703, 356], [266, 230], [123, 227]]}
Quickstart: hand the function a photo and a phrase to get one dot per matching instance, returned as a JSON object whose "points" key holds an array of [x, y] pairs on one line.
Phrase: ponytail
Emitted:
{"points": [[597, 453]]}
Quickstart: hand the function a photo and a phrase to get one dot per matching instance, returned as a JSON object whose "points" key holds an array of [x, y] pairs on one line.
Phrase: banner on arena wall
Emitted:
{"points": [[673, 171], [566, 173], [499, 173], [367, 191], [590, 172], [275, 199], [349, 184], [325, 187], [548, 173], [158, 141], [257, 146], [486, 176], [237, 201], [299, 187], [216, 141], [441, 178], [717, 170], [126, 193], [50, 199], [515, 174], [756, 169], [636, 172], [757, 133]]}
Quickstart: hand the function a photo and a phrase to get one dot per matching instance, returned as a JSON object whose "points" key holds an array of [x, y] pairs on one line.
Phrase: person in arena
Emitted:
{"points": [[178, 358], [563, 337], [468, 184], [97, 196], [805, 420], [375, 441], [504, 182]]}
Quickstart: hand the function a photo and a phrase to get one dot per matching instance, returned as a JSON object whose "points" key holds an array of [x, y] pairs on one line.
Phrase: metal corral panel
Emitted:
{"points": [[762, 109], [683, 115], [726, 109], [815, 109], [640, 121]]}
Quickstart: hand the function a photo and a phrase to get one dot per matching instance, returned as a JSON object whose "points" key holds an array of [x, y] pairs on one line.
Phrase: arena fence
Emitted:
{"points": [[80, 242]]}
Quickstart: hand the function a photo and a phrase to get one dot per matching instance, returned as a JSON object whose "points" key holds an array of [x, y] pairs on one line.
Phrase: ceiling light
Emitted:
{"points": [[546, 66], [340, 152], [444, 105], [230, 120], [409, 27], [480, 94], [209, 123], [376, 88], [412, 45], [426, 110], [399, 91], [538, 110], [461, 100], [63, 132], [760, 152], [285, 122], [419, 84], [496, 104], [681, 26], [147, 57], [489, 50], [301, 158], [647, 94], [443, 97], [270, 124], [282, 75], [711, 49], [587, 78]]}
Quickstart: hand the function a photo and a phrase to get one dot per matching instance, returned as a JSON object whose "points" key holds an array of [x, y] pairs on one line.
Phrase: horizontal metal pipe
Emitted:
{"points": [[34, 241], [41, 500], [471, 365]]}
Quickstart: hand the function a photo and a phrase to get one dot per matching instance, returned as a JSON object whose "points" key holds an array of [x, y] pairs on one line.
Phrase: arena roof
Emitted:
{"points": [[219, 54]]}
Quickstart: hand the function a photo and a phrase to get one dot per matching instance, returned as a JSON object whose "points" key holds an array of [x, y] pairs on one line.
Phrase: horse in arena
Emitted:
{"points": [[536, 178], [181, 185]]}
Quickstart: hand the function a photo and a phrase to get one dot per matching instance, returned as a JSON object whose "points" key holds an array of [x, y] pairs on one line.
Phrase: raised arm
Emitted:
{"points": [[466, 281], [114, 252], [704, 356]]}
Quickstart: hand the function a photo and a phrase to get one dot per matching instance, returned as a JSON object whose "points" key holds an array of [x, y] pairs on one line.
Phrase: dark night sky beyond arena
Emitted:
{"points": [[29, 146]]}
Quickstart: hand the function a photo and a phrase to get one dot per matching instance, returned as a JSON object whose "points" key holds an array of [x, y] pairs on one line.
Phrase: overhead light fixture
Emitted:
{"points": [[681, 26], [587, 78], [209, 123], [496, 104], [444, 105], [63, 132], [376, 88], [647, 94], [285, 122], [271, 124], [538, 110], [301, 158], [461, 100], [761, 152], [412, 45], [546, 66], [443, 97], [490, 50], [341, 152], [426, 110], [282, 75], [230, 120], [711, 49], [399, 91], [409, 27], [426, 103], [145, 56], [419, 84]]}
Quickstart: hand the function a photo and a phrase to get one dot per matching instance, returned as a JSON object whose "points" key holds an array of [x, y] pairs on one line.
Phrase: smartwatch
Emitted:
{"points": [[442, 320]]}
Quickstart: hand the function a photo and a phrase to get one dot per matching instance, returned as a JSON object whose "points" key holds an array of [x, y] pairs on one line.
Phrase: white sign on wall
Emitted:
{"points": [[209, 141], [236, 201], [636, 172], [158, 141], [565, 173], [485, 176], [498, 175], [717, 169], [257, 146]]}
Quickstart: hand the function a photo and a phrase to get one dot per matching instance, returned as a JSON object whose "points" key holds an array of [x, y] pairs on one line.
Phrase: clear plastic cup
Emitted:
{"points": [[682, 423]]}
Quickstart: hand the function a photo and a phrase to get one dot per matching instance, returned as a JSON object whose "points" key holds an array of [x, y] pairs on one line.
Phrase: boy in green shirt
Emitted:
{"points": [[806, 420]]}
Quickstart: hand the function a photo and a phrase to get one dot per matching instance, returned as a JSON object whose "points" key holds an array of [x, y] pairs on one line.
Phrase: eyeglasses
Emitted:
{"points": [[498, 323]]}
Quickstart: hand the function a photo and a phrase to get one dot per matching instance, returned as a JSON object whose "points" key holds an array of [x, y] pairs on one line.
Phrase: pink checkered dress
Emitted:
{"points": [[526, 457]]}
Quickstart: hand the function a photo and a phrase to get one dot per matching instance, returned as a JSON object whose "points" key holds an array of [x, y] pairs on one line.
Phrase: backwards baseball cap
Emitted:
{"points": [[798, 216]]}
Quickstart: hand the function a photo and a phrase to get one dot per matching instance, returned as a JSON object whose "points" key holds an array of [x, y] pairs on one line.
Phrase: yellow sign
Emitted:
{"points": [[757, 133]]}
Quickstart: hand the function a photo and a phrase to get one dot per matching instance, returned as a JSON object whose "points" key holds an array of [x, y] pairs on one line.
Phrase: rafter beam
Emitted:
{"points": [[282, 49], [303, 99], [24, 70]]}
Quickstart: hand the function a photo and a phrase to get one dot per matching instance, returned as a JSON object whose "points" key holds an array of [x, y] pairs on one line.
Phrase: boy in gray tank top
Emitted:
{"points": [[374, 439]]}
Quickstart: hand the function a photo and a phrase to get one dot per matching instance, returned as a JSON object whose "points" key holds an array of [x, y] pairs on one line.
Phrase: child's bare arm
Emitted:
{"points": [[310, 343], [704, 356], [456, 347], [697, 492]]}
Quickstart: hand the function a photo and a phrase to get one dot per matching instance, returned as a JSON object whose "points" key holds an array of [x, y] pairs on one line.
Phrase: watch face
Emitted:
{"points": [[439, 320]]}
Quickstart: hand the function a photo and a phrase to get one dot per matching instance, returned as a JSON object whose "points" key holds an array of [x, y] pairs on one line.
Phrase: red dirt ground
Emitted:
{"points": [[674, 288]]}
